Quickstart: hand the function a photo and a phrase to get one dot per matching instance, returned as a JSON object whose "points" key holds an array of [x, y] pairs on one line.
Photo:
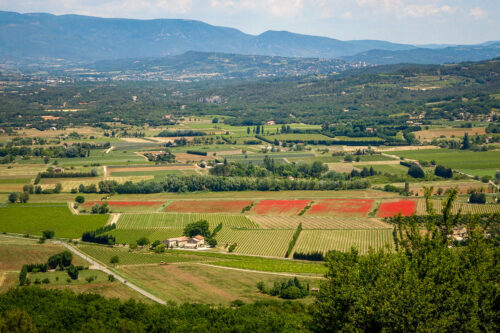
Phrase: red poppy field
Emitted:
{"points": [[280, 207], [404, 207], [341, 207], [208, 206]]}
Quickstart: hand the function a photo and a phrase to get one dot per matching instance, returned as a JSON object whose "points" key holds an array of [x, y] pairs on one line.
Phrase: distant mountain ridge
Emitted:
{"points": [[88, 39], [36, 37], [452, 54]]}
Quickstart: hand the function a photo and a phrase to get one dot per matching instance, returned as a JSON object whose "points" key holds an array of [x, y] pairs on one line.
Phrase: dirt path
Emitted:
{"points": [[105, 171], [2, 279], [72, 208], [113, 218], [376, 162], [262, 272], [109, 149], [139, 154], [98, 266]]}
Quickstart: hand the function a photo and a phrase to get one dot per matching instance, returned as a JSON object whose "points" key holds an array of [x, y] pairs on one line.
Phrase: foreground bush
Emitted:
{"points": [[30, 308]]}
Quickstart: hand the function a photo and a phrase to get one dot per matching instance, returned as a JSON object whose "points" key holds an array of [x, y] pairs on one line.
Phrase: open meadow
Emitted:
{"points": [[33, 219]]}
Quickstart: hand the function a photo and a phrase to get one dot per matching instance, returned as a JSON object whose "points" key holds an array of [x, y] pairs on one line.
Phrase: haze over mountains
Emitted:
{"points": [[85, 39]]}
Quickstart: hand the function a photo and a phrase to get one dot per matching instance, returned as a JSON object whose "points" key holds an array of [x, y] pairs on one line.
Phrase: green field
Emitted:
{"points": [[396, 169], [143, 257], [342, 240], [34, 218], [104, 254], [273, 243], [115, 157], [14, 180], [458, 159], [298, 137], [130, 236], [156, 221]]}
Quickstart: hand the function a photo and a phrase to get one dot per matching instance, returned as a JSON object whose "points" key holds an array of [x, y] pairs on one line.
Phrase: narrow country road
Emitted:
{"points": [[113, 218], [104, 269]]}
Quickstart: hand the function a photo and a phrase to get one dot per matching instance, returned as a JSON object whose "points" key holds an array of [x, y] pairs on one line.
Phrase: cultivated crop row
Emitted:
{"points": [[208, 206], [130, 236], [318, 222], [466, 208], [179, 221], [256, 242], [342, 240]]}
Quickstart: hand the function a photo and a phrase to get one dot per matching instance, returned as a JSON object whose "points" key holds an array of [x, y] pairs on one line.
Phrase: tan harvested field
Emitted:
{"points": [[10, 187], [377, 162], [86, 180], [230, 152], [403, 148], [448, 132], [106, 289], [199, 283], [184, 157], [31, 132], [21, 170], [422, 88], [15, 252], [135, 140], [101, 286], [342, 167], [50, 118], [170, 139], [314, 222], [151, 168]]}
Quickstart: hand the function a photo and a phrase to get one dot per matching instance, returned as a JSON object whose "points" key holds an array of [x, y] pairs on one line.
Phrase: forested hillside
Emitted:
{"points": [[389, 95]]}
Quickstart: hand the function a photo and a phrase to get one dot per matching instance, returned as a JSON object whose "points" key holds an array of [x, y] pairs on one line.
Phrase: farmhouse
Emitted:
{"points": [[185, 242], [195, 242], [459, 233], [175, 242]]}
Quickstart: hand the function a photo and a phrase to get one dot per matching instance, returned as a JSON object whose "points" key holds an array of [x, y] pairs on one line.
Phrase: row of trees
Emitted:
{"points": [[270, 168], [218, 184]]}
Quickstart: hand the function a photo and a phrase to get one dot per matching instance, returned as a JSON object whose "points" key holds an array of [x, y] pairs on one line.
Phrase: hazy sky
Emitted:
{"points": [[406, 21]]}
